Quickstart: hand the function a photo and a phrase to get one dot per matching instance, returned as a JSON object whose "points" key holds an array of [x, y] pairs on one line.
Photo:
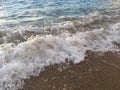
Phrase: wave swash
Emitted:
{"points": [[25, 51]]}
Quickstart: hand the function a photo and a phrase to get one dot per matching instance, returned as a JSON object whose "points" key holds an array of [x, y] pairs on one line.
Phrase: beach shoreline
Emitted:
{"points": [[59, 45], [97, 72]]}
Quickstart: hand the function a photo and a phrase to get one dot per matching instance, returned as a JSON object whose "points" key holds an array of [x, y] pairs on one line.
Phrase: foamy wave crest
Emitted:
{"points": [[55, 44]]}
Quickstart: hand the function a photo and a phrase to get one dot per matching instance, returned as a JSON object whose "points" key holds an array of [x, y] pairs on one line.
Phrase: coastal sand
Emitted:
{"points": [[97, 72]]}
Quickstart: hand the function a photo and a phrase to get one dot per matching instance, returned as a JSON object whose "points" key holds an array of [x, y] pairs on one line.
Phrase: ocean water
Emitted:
{"points": [[35, 34], [20, 12]]}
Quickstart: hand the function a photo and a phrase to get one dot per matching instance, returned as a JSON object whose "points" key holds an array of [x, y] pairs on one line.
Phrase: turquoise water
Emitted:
{"points": [[18, 12], [35, 34]]}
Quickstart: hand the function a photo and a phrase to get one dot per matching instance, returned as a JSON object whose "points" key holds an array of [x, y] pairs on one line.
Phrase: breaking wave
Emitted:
{"points": [[26, 50]]}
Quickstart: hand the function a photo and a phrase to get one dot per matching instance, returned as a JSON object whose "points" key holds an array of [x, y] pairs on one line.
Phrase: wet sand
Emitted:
{"points": [[97, 72]]}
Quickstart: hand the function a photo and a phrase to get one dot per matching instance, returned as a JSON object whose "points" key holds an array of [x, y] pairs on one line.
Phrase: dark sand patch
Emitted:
{"points": [[95, 73]]}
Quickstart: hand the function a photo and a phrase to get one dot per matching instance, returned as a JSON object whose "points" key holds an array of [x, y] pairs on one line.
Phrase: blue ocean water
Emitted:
{"points": [[35, 34], [13, 12]]}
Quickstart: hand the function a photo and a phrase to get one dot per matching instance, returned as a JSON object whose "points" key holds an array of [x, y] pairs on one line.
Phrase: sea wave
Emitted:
{"points": [[26, 50]]}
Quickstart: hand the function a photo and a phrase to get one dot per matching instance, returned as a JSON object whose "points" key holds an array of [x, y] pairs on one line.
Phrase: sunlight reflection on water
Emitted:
{"points": [[26, 11]]}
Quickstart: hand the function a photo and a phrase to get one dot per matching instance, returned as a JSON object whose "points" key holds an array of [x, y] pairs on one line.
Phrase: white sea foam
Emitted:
{"points": [[53, 45]]}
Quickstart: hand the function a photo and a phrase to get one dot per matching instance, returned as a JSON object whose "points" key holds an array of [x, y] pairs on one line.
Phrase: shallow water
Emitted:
{"points": [[48, 32], [18, 12]]}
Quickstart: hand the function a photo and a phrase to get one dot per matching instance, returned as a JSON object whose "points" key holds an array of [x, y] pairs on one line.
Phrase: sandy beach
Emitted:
{"points": [[97, 72], [59, 45]]}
